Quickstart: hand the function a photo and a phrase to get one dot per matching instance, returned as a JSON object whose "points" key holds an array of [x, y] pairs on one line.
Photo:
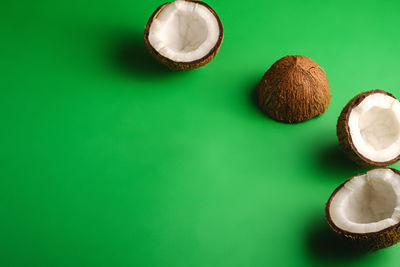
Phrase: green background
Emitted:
{"points": [[109, 159]]}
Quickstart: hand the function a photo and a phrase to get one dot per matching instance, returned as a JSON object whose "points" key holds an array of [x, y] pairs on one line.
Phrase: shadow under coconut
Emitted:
{"points": [[330, 157], [253, 97], [324, 244], [130, 55]]}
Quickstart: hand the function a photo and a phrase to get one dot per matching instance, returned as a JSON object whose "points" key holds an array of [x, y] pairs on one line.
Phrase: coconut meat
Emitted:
{"points": [[184, 31], [367, 203], [375, 127]]}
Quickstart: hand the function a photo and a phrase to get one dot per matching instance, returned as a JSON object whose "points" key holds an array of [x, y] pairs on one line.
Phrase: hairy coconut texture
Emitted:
{"points": [[184, 34], [365, 209], [294, 89], [377, 133]]}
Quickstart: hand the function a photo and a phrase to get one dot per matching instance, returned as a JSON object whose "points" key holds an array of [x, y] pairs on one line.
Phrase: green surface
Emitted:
{"points": [[109, 159]]}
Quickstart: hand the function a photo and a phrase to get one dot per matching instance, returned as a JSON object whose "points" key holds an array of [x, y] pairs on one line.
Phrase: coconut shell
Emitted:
{"points": [[343, 132], [368, 241], [183, 65], [294, 89]]}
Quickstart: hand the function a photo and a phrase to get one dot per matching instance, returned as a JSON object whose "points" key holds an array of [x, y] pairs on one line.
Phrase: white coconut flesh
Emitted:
{"points": [[367, 203], [375, 127], [184, 31]]}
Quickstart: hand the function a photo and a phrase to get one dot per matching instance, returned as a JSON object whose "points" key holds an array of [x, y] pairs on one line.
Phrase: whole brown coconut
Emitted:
{"points": [[376, 127], [294, 89], [364, 210], [184, 34]]}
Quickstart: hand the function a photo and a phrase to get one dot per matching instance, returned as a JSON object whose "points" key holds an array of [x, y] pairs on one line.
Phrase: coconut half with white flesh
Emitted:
{"points": [[368, 129], [184, 34], [365, 209]]}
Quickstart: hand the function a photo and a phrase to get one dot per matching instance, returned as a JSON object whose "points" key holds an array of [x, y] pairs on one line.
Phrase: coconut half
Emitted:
{"points": [[368, 129], [184, 34], [294, 89], [365, 209]]}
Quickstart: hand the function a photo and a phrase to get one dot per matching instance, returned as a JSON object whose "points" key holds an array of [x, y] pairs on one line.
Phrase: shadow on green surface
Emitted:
{"points": [[253, 96], [324, 245], [331, 158], [331, 155], [131, 56]]}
